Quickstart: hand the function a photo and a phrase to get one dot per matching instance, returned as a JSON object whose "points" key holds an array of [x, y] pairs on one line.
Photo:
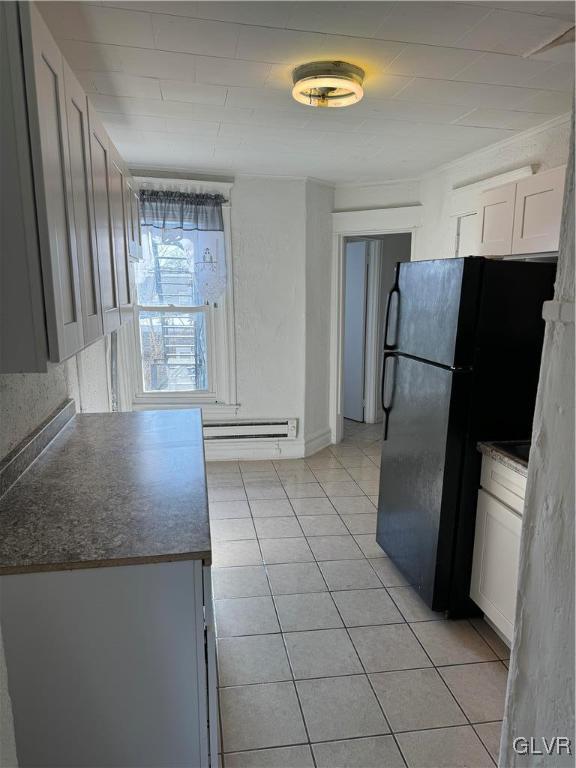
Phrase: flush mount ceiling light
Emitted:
{"points": [[328, 84]]}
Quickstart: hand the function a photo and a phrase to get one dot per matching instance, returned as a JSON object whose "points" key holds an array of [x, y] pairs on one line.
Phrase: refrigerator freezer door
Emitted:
{"points": [[420, 471], [434, 312]]}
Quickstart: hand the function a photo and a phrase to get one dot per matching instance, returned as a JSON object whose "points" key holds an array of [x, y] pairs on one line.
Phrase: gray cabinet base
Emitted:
{"points": [[108, 666]]}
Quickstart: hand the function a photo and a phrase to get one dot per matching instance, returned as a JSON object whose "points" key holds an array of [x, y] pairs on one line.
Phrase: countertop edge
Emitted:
{"points": [[499, 455], [204, 555]]}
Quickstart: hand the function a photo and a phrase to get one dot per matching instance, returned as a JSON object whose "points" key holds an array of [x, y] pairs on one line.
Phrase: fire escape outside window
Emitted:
{"points": [[180, 329]]}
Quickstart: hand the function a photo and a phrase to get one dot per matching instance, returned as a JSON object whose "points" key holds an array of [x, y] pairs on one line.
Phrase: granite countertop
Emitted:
{"points": [[507, 454], [110, 489]]}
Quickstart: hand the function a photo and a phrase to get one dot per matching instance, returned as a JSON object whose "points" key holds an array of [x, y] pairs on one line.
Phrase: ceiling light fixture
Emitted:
{"points": [[328, 84]]}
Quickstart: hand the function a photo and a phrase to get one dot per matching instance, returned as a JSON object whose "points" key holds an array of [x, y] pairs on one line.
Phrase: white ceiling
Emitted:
{"points": [[205, 86]]}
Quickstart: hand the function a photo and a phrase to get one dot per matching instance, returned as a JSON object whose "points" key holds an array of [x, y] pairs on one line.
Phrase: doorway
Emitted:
{"points": [[368, 274]]}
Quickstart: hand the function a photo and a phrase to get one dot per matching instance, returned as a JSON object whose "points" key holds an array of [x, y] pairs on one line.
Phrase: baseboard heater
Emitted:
{"points": [[277, 429]]}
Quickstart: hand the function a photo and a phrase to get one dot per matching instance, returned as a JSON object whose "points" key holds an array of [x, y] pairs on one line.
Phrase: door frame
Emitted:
{"points": [[345, 224]]}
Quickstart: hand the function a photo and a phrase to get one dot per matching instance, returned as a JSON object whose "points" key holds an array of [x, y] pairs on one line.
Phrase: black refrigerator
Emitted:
{"points": [[463, 342]]}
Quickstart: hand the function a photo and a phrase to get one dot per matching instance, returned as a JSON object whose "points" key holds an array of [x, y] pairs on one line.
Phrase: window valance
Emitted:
{"points": [[181, 210]]}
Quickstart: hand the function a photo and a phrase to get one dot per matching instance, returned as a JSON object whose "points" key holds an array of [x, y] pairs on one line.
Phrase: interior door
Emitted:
{"points": [[355, 269], [420, 471]]}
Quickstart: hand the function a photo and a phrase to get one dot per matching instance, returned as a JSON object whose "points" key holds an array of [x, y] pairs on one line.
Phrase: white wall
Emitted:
{"points": [[319, 206], [361, 197], [268, 257], [281, 258], [540, 698]]}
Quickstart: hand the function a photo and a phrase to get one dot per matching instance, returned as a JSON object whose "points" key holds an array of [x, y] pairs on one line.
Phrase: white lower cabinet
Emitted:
{"points": [[495, 565]]}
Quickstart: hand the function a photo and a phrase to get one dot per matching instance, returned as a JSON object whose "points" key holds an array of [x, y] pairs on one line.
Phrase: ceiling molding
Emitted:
{"points": [[555, 121]]}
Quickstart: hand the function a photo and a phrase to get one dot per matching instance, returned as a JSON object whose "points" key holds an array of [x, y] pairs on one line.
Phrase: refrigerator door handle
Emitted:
{"points": [[387, 402], [395, 290]]}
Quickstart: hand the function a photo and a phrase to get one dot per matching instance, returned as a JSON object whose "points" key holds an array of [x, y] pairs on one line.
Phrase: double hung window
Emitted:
{"points": [[183, 296]]}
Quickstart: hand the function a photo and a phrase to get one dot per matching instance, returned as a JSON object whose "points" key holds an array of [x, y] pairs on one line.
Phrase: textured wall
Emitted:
{"points": [[540, 699], [26, 399], [319, 206], [269, 250], [361, 197], [93, 378]]}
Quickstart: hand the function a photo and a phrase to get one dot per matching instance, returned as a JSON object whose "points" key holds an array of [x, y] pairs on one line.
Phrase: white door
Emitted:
{"points": [[355, 270]]}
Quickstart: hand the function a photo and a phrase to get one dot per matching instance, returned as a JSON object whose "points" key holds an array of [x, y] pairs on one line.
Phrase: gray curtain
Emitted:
{"points": [[181, 210]]}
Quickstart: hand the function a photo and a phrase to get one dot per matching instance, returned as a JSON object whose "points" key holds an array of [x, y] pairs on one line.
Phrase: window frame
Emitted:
{"points": [[221, 352]]}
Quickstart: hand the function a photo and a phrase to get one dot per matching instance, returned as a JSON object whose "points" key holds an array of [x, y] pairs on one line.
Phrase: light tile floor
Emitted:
{"points": [[326, 656]]}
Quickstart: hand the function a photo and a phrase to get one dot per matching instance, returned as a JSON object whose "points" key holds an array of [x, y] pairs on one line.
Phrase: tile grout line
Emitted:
{"points": [[286, 651], [330, 592]]}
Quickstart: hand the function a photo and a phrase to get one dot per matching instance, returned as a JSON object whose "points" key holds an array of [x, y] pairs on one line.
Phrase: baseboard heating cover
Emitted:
{"points": [[246, 429]]}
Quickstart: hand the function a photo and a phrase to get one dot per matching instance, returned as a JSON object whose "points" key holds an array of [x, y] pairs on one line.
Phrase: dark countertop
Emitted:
{"points": [[512, 454], [110, 489]]}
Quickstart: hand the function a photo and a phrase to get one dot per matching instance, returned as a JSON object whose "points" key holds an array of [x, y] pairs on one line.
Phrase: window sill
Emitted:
{"points": [[211, 409]]}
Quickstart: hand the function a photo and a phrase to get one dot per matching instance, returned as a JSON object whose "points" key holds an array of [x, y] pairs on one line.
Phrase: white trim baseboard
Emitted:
{"points": [[266, 448], [253, 449], [317, 441]]}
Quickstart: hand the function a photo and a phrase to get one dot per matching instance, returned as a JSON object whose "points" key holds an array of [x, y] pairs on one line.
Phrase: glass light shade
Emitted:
{"points": [[327, 91], [328, 84]]}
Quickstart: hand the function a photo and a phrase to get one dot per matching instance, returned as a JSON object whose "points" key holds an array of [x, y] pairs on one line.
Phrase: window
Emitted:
{"points": [[184, 341]]}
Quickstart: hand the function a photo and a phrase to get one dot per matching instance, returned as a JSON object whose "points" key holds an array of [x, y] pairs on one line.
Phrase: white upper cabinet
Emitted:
{"points": [[45, 91], [522, 217], [538, 212], [81, 172], [496, 220]]}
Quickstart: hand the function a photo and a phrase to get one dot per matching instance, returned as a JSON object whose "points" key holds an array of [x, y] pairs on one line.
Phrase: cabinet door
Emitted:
{"points": [[495, 563], [497, 220], [132, 207], [538, 212], [100, 162], [53, 185], [78, 142], [121, 257], [467, 235]]}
